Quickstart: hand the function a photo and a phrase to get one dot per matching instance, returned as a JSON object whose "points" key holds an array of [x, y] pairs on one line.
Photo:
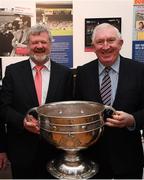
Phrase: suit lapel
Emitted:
{"points": [[121, 80], [54, 80], [28, 81], [98, 94], [94, 90]]}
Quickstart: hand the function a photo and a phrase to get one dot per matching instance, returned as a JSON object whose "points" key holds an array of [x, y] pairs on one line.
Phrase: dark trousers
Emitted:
{"points": [[108, 174], [27, 172]]}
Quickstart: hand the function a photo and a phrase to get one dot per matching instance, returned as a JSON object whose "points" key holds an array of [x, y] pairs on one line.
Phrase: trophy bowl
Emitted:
{"points": [[71, 126]]}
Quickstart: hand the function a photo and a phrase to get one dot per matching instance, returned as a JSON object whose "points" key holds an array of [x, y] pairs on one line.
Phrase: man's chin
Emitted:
{"points": [[40, 58], [107, 61]]}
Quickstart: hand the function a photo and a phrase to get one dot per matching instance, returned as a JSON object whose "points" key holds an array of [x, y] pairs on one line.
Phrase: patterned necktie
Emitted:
{"points": [[38, 82], [106, 87]]}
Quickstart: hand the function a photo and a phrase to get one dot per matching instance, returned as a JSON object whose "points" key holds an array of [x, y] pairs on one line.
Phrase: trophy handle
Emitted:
{"points": [[33, 112], [108, 112]]}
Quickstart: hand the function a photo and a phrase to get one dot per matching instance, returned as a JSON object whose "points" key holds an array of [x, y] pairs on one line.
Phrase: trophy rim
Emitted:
{"points": [[101, 107]]}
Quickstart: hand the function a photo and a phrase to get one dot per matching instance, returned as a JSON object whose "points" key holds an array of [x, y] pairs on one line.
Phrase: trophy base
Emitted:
{"points": [[84, 170]]}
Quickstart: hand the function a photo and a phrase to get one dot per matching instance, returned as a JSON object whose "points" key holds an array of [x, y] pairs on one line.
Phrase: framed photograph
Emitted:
{"points": [[59, 18], [90, 24]]}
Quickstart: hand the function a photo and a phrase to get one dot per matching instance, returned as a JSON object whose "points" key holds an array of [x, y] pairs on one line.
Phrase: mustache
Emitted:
{"points": [[39, 50]]}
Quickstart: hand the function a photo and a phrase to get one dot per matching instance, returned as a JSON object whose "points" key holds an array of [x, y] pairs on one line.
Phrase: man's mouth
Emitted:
{"points": [[39, 50]]}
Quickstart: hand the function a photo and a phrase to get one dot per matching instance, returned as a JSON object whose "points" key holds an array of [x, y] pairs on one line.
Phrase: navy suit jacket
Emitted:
{"points": [[117, 148]]}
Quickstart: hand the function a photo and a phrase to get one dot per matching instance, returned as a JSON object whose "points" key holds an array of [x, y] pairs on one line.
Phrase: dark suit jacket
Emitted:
{"points": [[118, 148], [17, 97], [3, 141]]}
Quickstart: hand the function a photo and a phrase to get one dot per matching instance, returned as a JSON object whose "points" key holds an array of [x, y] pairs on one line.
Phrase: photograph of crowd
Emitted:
{"points": [[13, 30], [57, 17]]}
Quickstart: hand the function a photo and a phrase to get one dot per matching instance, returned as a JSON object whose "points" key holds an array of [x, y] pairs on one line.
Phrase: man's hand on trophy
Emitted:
{"points": [[31, 124]]}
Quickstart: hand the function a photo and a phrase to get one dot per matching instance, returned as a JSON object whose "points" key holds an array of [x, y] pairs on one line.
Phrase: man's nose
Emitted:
{"points": [[39, 44], [105, 44]]}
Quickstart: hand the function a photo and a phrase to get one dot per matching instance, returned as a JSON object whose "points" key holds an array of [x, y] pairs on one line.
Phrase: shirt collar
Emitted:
{"points": [[115, 66], [47, 64]]}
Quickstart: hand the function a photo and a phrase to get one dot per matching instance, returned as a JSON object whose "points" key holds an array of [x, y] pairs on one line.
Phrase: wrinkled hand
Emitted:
{"points": [[3, 160], [120, 119], [31, 124]]}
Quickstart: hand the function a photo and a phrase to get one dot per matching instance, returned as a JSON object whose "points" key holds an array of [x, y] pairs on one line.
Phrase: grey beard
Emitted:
{"points": [[39, 58]]}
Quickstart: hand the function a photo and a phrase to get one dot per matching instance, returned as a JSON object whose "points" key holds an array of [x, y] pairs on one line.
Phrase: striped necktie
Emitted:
{"points": [[106, 87]]}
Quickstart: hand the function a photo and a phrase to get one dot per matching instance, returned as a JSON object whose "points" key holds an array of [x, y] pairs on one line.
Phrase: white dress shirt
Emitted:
{"points": [[45, 78]]}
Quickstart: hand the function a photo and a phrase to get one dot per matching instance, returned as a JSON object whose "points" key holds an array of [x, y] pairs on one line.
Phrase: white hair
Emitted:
{"points": [[37, 29], [102, 26]]}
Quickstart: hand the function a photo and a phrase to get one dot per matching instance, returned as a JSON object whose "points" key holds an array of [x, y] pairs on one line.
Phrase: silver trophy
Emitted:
{"points": [[71, 126]]}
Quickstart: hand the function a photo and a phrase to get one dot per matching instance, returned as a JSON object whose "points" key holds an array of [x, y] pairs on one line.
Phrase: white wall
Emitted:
{"points": [[100, 9], [93, 9]]}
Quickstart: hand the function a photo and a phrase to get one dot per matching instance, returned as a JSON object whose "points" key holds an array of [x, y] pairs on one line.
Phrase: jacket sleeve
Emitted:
{"points": [[7, 111], [2, 135]]}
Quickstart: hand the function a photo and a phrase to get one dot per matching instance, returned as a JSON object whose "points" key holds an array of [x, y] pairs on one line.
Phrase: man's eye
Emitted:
{"points": [[34, 43], [43, 42], [37, 42], [99, 42], [111, 40]]}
